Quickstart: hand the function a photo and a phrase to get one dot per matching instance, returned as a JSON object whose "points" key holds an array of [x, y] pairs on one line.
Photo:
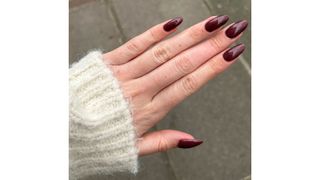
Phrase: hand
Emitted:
{"points": [[157, 74]]}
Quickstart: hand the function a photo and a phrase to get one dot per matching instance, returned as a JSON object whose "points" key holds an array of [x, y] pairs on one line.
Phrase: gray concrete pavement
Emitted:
{"points": [[219, 113]]}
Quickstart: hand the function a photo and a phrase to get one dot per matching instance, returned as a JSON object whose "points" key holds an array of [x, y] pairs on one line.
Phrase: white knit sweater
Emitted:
{"points": [[102, 136]]}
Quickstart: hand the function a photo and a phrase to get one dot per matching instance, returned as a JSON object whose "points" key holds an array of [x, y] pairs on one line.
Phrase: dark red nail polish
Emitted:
{"points": [[173, 23], [189, 143], [237, 28], [233, 52], [216, 23]]}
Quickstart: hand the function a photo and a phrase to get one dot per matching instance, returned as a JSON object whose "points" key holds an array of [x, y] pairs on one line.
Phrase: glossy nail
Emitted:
{"points": [[216, 23], [237, 28], [173, 23], [233, 52], [189, 143]]}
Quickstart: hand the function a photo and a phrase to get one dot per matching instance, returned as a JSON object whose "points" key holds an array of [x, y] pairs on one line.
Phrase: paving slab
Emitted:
{"points": [[143, 14], [91, 26]]}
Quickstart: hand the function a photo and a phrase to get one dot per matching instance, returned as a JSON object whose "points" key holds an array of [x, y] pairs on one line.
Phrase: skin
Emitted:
{"points": [[156, 74]]}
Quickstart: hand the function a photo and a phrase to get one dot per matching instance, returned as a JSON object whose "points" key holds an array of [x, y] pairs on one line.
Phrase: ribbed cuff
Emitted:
{"points": [[102, 136]]}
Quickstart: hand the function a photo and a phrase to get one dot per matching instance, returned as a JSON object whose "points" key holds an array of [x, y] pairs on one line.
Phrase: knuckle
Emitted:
{"points": [[216, 43], [159, 80], [212, 66], [183, 64], [189, 85], [132, 89], [133, 46], [215, 67], [117, 71], [162, 144], [160, 54], [154, 37], [120, 72], [196, 33], [132, 94]]}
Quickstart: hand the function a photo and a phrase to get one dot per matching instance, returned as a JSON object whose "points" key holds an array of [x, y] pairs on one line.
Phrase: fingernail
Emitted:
{"points": [[173, 23], [237, 28], [189, 143], [216, 23], [233, 52]]}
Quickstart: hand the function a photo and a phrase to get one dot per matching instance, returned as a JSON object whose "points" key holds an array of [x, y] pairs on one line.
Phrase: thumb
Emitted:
{"points": [[164, 140]]}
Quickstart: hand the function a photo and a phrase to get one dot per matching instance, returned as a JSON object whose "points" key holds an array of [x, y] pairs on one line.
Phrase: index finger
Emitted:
{"points": [[140, 43]]}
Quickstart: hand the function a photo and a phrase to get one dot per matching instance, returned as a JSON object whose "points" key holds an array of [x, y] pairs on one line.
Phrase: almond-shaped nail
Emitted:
{"points": [[216, 23], [237, 28], [189, 143], [233, 52], [173, 23]]}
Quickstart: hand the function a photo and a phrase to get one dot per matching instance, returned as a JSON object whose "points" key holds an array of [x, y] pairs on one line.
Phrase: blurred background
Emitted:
{"points": [[219, 114]]}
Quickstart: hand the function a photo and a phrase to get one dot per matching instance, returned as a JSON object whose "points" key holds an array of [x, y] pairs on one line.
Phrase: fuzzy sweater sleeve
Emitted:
{"points": [[102, 137]]}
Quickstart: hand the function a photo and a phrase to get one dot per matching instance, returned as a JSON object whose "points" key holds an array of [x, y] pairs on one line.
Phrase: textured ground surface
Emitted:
{"points": [[219, 113]]}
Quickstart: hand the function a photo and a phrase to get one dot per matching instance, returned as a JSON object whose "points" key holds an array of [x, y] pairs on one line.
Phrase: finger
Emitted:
{"points": [[179, 90], [167, 49], [160, 141], [187, 61], [140, 43]]}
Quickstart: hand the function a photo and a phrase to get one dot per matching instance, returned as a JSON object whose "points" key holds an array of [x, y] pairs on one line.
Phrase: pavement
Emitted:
{"points": [[219, 114]]}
